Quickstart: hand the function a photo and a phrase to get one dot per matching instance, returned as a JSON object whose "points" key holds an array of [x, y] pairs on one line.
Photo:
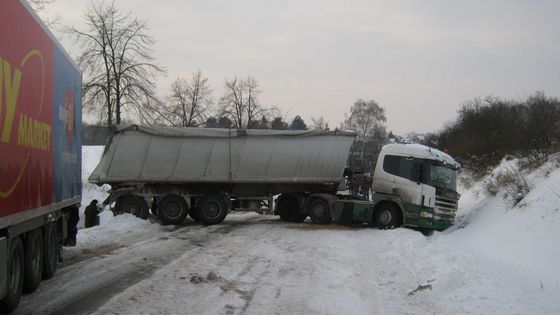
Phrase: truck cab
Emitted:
{"points": [[413, 185], [425, 181]]}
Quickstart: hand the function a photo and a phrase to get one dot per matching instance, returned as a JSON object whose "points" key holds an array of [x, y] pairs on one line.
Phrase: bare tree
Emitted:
{"points": [[543, 115], [366, 117], [39, 5], [118, 64], [240, 101], [189, 101], [233, 101], [253, 107], [319, 124]]}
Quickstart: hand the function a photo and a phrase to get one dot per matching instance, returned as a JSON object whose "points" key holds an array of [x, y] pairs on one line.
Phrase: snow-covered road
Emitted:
{"points": [[253, 264]]}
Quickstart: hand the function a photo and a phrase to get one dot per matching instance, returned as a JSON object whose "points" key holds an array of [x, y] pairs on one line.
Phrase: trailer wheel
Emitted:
{"points": [[33, 260], [15, 276], [211, 209], [172, 209], [135, 205], [50, 242], [387, 216], [320, 211], [289, 208]]}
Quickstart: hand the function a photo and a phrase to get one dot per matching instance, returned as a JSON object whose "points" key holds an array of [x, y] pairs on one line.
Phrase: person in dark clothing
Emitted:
{"points": [[91, 214], [74, 217]]}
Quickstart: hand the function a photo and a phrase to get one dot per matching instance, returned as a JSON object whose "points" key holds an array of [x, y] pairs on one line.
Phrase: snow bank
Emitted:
{"points": [[524, 237], [114, 228], [111, 228]]}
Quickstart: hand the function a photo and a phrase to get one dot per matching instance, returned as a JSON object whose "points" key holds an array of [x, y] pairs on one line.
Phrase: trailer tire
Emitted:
{"points": [[132, 204], [387, 216], [50, 242], [33, 260], [289, 208], [211, 209], [15, 276], [320, 211], [172, 209]]}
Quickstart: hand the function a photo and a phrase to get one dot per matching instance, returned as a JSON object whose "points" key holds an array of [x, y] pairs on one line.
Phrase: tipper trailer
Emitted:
{"points": [[40, 150], [205, 173]]}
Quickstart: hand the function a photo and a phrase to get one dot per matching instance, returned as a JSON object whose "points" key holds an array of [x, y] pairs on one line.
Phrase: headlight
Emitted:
{"points": [[424, 214]]}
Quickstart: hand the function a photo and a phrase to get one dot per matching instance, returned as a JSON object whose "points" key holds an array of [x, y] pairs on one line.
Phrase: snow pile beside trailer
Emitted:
{"points": [[111, 226]]}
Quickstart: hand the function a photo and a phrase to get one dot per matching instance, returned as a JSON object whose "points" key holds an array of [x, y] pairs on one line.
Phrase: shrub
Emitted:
{"points": [[532, 159], [487, 130], [510, 184]]}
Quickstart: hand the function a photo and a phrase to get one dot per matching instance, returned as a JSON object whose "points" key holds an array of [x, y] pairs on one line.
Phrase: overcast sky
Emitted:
{"points": [[418, 59]]}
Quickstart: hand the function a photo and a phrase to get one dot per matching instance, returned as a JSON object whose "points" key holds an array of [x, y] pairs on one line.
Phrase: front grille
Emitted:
{"points": [[446, 206]]}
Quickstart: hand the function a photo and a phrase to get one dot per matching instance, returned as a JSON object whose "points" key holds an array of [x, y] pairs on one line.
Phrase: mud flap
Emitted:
{"points": [[3, 267]]}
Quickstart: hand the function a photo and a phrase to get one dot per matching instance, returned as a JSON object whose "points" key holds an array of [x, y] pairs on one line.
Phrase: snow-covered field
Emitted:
{"points": [[495, 260]]}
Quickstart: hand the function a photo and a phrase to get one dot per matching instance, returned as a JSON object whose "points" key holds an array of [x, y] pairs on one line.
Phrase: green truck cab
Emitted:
{"points": [[413, 185]]}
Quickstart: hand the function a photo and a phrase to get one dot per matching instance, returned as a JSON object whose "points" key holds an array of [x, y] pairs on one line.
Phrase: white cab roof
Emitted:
{"points": [[418, 151]]}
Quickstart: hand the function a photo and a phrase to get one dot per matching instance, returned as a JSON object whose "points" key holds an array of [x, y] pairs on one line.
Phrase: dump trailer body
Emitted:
{"points": [[40, 119], [138, 154]]}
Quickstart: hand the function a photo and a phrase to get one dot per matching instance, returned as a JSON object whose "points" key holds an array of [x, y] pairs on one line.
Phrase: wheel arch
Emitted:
{"points": [[394, 202]]}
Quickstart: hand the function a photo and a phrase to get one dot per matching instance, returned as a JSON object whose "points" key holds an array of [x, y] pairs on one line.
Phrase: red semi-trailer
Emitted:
{"points": [[40, 150]]}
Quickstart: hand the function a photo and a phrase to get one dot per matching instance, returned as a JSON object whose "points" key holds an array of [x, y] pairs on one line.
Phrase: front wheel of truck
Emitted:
{"points": [[172, 209], [211, 209], [387, 216]]}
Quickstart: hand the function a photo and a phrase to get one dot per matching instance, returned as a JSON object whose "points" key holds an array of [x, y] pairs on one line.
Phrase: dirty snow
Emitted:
{"points": [[495, 260]]}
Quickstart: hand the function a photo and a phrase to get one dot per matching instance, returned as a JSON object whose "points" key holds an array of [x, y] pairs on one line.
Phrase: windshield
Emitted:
{"points": [[443, 177], [425, 171]]}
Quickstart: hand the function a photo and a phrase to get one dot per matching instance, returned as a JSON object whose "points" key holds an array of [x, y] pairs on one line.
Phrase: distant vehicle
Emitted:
{"points": [[40, 150], [208, 172]]}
